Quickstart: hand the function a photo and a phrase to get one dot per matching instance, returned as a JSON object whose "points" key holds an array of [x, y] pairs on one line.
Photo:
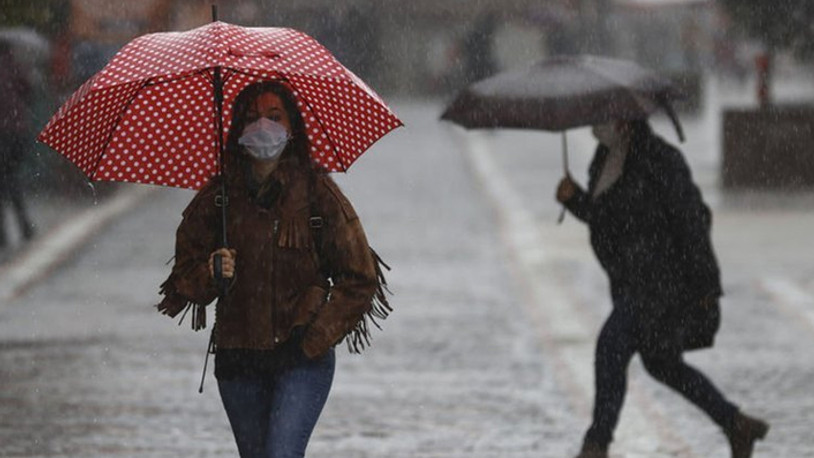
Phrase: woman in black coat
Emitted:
{"points": [[650, 231]]}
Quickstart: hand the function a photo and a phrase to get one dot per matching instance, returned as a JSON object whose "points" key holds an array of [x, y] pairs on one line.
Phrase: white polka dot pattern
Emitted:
{"points": [[148, 116]]}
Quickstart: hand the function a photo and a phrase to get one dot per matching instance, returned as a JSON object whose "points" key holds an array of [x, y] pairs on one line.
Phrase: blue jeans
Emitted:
{"points": [[273, 416]]}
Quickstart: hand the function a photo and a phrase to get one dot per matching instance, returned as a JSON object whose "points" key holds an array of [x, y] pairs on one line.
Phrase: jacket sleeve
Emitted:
{"points": [[581, 203], [690, 221], [189, 282], [351, 265]]}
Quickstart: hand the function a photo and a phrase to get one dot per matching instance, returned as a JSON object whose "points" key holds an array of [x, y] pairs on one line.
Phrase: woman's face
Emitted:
{"points": [[268, 105]]}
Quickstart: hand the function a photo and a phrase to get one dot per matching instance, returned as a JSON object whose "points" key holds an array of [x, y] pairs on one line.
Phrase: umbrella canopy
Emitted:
{"points": [[159, 112], [561, 93]]}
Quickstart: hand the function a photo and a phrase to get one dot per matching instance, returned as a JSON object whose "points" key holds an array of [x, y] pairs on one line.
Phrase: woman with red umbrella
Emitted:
{"points": [[650, 231], [299, 275]]}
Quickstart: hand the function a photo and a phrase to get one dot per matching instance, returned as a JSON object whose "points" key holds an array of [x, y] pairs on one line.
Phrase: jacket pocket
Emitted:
{"points": [[308, 304]]}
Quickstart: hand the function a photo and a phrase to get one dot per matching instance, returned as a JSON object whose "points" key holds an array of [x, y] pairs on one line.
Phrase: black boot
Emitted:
{"points": [[592, 450], [743, 433]]}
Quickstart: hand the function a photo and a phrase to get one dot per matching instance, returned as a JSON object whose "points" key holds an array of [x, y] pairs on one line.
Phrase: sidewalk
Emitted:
{"points": [[63, 228], [49, 205]]}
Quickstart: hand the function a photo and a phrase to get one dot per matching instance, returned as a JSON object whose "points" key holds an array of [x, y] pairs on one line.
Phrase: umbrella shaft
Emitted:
{"points": [[565, 153], [218, 90]]}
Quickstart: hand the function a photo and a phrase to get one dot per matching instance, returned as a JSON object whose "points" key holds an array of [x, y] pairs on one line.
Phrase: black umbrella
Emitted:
{"points": [[564, 92]]}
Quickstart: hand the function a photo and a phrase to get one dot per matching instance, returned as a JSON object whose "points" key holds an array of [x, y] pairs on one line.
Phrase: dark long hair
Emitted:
{"points": [[298, 148]]}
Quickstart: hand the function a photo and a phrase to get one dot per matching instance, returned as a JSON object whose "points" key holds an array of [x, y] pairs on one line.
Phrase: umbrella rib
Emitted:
{"points": [[329, 79], [229, 72], [638, 96], [327, 134], [324, 130], [152, 82], [146, 83], [113, 129]]}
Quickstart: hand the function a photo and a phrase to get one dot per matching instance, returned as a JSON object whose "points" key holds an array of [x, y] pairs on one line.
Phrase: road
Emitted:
{"points": [[488, 353]]}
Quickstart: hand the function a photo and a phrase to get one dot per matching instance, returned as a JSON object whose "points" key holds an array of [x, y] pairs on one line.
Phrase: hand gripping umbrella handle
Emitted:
{"points": [[220, 280]]}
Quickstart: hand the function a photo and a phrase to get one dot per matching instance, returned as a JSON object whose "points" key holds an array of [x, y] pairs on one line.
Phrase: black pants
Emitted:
{"points": [[618, 341]]}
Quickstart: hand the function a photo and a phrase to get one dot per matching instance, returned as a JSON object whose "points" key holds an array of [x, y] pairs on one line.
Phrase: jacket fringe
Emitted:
{"points": [[173, 303], [295, 233], [359, 337]]}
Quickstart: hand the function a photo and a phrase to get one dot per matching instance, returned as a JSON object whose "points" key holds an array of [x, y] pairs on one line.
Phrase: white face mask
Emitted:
{"points": [[264, 139]]}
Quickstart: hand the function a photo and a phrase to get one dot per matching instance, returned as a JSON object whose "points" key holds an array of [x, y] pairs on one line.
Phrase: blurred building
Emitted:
{"points": [[416, 47], [674, 37], [668, 35]]}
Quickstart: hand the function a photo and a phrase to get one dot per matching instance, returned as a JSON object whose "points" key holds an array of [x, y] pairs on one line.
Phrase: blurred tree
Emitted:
{"points": [[779, 25], [46, 16], [785, 24]]}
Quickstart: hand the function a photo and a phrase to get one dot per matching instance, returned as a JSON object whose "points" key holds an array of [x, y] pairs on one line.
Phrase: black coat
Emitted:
{"points": [[651, 231]]}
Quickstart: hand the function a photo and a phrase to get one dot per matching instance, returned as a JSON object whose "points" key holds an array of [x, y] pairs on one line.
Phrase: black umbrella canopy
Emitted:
{"points": [[563, 92]]}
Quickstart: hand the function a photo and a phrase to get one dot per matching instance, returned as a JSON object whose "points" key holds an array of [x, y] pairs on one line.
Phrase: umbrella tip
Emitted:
{"points": [[214, 13]]}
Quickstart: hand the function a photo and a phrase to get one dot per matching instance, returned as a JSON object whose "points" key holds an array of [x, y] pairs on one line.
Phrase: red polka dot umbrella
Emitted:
{"points": [[158, 113]]}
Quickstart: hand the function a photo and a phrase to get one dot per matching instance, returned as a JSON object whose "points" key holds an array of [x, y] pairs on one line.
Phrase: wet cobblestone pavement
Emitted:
{"points": [[487, 355]]}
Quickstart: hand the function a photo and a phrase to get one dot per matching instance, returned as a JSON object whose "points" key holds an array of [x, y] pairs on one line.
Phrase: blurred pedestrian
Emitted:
{"points": [[15, 93], [300, 275], [478, 47], [650, 230]]}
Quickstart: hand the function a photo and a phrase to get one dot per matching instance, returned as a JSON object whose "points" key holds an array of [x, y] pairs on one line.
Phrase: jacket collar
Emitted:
{"points": [[285, 189]]}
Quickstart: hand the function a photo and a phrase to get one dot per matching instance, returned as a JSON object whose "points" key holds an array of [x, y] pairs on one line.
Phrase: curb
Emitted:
{"points": [[51, 250]]}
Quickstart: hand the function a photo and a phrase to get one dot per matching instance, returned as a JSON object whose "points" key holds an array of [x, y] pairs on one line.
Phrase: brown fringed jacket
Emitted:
{"points": [[302, 261]]}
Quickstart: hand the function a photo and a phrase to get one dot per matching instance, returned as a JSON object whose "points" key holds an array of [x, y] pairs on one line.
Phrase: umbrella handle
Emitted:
{"points": [[565, 170], [565, 154], [220, 280]]}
